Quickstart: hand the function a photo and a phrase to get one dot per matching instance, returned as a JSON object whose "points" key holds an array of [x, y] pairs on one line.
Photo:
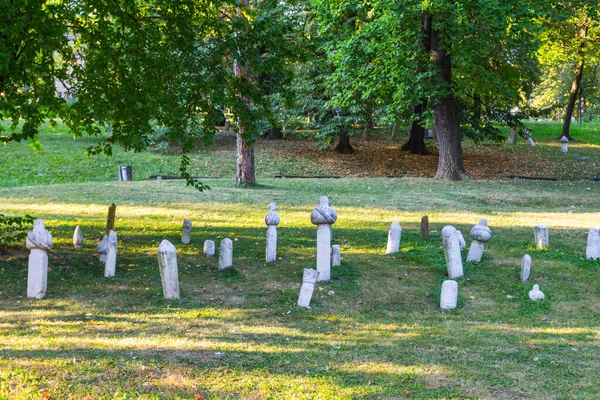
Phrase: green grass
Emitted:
{"points": [[240, 335]]}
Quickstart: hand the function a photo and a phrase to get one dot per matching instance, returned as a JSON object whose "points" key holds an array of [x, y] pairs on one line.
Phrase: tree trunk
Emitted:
{"points": [[244, 174], [343, 146], [575, 85], [447, 126], [416, 139], [273, 134]]}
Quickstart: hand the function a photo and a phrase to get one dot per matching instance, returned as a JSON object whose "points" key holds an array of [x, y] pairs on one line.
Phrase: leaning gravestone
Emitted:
{"points": [[167, 264], [225, 254], [324, 217], [209, 247], [541, 236], [78, 238], [309, 280], [39, 241], [449, 295], [452, 252], [394, 235], [480, 234], [536, 293], [592, 252], [272, 220], [186, 231], [525, 267], [110, 266], [336, 257]]}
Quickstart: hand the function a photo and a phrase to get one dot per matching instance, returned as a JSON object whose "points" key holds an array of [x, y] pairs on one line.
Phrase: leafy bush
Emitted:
{"points": [[13, 229]]}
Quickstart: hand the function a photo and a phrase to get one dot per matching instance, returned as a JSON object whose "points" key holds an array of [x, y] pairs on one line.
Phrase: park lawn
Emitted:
{"points": [[239, 334]]}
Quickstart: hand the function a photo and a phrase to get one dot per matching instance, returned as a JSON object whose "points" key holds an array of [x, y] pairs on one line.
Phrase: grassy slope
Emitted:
{"points": [[239, 335]]}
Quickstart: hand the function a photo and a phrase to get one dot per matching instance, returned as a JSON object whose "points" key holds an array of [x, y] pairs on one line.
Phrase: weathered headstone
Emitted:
{"points": [[564, 147], [480, 234], [167, 264], [110, 266], [103, 249], [525, 267], [452, 252], [209, 247], [461, 240], [425, 226], [512, 136], [541, 236], [449, 295], [324, 217], [336, 257], [186, 231], [536, 293], [78, 238], [225, 254], [110, 220], [309, 280], [394, 235], [39, 241], [530, 142], [272, 220], [592, 252], [125, 173]]}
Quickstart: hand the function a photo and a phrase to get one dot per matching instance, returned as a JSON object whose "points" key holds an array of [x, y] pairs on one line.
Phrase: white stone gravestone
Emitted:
{"points": [[541, 236], [225, 254], [536, 293], [103, 249], [336, 257], [78, 238], [324, 217], [39, 241], [564, 144], [525, 267], [394, 235], [592, 252], [309, 280], [452, 252], [167, 264], [480, 234], [272, 220], [209, 247], [449, 295], [186, 231]]}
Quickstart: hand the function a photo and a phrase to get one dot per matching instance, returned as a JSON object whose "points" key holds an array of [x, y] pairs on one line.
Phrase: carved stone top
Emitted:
{"points": [[564, 139], [272, 218], [536, 293], [481, 232], [112, 239], [39, 237], [103, 245], [447, 231], [323, 214]]}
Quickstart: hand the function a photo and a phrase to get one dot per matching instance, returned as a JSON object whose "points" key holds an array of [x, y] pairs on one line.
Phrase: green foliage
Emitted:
{"points": [[14, 229]]}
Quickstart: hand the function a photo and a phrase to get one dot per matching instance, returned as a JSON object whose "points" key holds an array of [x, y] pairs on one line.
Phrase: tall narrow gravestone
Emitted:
{"points": [[309, 280], [78, 238], [225, 254], [394, 235], [272, 220], [324, 217], [425, 226], [336, 256], [110, 266], [525, 267], [452, 252], [480, 234], [186, 231], [449, 295], [39, 241], [541, 236], [592, 252], [167, 264]]}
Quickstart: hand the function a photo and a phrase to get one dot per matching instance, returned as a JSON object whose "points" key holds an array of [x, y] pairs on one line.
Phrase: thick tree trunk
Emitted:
{"points": [[244, 174], [447, 126], [416, 140], [273, 134], [572, 99], [343, 146]]}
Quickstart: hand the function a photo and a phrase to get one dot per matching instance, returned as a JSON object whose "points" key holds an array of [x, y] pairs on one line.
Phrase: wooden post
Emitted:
{"points": [[425, 226], [110, 221]]}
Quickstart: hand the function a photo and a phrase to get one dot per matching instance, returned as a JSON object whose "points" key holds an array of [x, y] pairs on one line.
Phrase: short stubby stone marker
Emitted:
{"points": [[536, 293], [324, 217], [186, 231], [209, 247], [167, 264], [425, 226], [309, 280], [480, 234], [78, 238], [336, 257], [592, 252], [110, 266], [452, 252], [525, 267], [102, 249], [449, 295], [394, 235], [225, 254], [39, 241], [564, 144], [272, 220], [541, 236]]}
